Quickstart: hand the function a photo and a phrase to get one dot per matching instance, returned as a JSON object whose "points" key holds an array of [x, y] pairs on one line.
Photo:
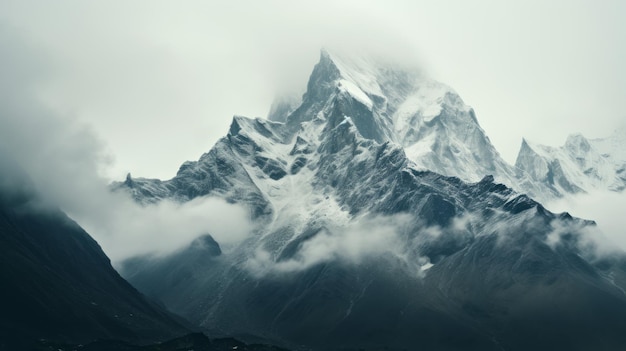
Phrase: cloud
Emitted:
{"points": [[178, 71], [351, 243], [65, 160], [605, 208], [160, 81], [125, 229], [399, 237], [590, 240], [175, 73]]}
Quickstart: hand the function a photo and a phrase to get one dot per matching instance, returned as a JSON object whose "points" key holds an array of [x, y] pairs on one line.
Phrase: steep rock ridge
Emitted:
{"points": [[226, 171], [581, 165], [332, 83], [357, 246]]}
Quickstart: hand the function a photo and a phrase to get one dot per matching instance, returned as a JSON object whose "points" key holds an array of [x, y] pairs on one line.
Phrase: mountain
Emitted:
{"points": [[58, 284], [362, 241], [580, 166]]}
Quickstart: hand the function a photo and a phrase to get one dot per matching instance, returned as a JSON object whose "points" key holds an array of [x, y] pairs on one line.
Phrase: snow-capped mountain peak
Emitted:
{"points": [[400, 104], [353, 204]]}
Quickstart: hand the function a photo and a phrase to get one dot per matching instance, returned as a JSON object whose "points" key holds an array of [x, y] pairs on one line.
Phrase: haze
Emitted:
{"points": [[91, 91], [159, 82]]}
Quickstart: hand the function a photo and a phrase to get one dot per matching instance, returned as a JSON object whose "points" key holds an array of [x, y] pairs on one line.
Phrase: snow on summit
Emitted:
{"points": [[439, 132], [428, 119]]}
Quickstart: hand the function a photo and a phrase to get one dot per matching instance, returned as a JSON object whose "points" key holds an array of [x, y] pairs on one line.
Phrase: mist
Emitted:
{"points": [[605, 208], [401, 237], [173, 74], [84, 102], [65, 159], [125, 229], [351, 243]]}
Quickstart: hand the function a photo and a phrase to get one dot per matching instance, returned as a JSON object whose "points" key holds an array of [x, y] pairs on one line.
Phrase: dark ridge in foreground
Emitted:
{"points": [[195, 341], [57, 283]]}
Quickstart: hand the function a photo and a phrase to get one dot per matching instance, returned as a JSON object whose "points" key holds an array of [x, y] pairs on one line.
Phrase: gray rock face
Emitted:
{"points": [[360, 246]]}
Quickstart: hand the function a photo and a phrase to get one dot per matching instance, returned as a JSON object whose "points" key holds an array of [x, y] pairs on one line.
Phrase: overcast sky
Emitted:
{"points": [[158, 82]]}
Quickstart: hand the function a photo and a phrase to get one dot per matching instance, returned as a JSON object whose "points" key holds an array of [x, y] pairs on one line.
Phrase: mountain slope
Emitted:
{"points": [[357, 246], [57, 282]]}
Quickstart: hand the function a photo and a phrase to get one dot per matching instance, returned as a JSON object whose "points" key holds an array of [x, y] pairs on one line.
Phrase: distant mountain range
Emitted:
{"points": [[383, 221]]}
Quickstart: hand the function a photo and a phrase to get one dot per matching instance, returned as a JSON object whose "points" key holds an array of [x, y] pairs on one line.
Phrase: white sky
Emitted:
{"points": [[158, 82]]}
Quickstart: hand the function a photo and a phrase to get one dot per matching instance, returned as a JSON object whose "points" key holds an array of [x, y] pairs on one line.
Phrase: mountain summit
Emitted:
{"points": [[428, 119], [364, 240]]}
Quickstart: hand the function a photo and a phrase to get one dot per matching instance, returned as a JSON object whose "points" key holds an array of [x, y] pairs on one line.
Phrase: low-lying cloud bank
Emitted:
{"points": [[605, 208], [349, 244], [65, 160], [414, 244], [126, 229], [400, 237]]}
